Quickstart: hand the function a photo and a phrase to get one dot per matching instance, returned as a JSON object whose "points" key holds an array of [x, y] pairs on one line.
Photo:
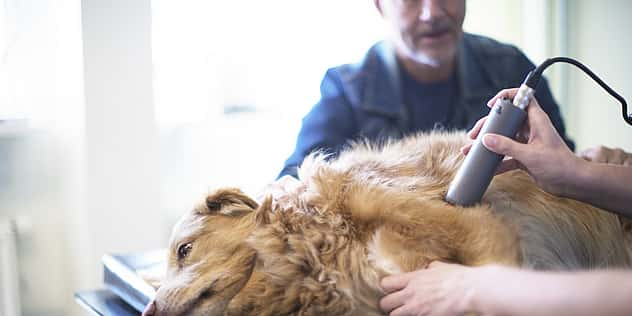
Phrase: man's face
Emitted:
{"points": [[426, 31]]}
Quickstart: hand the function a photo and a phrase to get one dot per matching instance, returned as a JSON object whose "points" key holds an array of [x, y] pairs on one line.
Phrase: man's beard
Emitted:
{"points": [[416, 56], [421, 58]]}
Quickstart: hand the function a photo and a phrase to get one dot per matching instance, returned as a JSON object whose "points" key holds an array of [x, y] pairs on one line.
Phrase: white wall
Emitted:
{"points": [[599, 36], [500, 19], [122, 174], [271, 63], [84, 179], [39, 171]]}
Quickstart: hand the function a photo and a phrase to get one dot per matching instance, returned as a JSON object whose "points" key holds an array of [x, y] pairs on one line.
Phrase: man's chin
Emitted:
{"points": [[430, 56], [435, 53], [435, 57], [424, 59]]}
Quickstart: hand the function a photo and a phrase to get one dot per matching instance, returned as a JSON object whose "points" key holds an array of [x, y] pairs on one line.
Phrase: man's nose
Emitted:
{"points": [[431, 10]]}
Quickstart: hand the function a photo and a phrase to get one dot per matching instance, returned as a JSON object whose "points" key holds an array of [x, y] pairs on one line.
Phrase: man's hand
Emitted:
{"points": [[603, 154], [442, 289]]}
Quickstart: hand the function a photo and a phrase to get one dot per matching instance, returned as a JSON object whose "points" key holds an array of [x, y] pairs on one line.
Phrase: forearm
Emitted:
{"points": [[604, 185], [523, 292]]}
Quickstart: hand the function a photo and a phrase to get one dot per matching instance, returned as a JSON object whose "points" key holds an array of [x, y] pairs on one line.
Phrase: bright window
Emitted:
{"points": [[232, 80]]}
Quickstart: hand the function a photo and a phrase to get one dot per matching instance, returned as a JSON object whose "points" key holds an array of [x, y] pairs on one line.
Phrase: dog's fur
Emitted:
{"points": [[375, 210]]}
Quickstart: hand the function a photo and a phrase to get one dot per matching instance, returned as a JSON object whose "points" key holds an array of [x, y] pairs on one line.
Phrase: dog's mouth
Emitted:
{"points": [[206, 293], [221, 289]]}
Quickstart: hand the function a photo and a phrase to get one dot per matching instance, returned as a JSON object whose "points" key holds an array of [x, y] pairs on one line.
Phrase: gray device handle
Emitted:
{"points": [[478, 168]]}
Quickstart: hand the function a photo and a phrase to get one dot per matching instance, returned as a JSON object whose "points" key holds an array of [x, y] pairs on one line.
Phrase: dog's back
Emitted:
{"points": [[553, 232]]}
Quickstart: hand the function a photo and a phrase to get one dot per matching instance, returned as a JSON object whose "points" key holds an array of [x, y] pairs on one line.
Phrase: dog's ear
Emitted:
{"points": [[230, 202], [262, 215]]}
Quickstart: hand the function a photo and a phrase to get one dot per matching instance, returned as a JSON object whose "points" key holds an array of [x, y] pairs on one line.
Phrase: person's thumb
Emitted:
{"points": [[503, 145]]}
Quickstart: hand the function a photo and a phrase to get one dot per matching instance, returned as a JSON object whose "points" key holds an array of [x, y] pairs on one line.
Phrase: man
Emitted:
{"points": [[428, 74]]}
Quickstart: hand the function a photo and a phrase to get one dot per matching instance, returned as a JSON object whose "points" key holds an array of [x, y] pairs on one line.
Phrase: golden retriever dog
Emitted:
{"points": [[322, 248]]}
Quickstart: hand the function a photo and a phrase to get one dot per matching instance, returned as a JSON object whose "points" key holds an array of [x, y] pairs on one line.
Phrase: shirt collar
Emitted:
{"points": [[382, 93], [472, 77]]}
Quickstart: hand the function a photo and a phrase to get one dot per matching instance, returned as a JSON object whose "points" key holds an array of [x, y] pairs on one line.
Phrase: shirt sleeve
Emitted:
{"points": [[328, 126]]}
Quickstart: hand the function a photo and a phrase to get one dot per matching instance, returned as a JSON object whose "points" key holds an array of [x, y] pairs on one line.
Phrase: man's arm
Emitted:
{"points": [[327, 127]]}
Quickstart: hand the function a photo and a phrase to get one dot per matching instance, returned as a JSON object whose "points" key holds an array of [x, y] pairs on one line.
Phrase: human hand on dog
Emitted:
{"points": [[150, 309], [603, 154], [543, 154], [539, 149], [452, 289], [441, 289]]}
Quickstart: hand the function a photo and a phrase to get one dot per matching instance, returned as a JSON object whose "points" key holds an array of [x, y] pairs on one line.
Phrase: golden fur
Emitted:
{"points": [[375, 210]]}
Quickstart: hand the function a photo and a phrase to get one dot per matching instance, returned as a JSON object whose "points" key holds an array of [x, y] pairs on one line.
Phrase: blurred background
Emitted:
{"points": [[117, 116]]}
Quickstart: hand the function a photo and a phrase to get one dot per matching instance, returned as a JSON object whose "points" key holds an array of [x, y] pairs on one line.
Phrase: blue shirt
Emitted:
{"points": [[367, 99], [429, 104]]}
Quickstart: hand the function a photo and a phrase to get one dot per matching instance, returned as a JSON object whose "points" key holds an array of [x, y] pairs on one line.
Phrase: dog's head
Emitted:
{"points": [[209, 261]]}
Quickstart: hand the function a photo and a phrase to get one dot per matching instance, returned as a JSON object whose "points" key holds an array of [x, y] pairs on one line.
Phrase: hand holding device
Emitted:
{"points": [[478, 168]]}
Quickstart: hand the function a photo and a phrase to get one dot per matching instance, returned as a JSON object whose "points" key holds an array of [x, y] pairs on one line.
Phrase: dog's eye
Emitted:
{"points": [[213, 206], [183, 250]]}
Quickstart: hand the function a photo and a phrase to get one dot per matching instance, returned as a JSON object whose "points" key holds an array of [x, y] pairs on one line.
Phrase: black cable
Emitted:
{"points": [[534, 77]]}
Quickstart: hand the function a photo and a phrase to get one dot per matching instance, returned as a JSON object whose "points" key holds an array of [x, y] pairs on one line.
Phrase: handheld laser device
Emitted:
{"points": [[506, 118]]}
